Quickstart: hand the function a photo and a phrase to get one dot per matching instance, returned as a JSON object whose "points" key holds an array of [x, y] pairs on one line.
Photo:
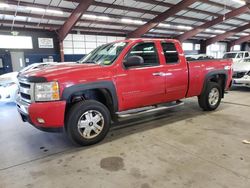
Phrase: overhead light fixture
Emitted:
{"points": [[126, 20], [54, 11], [4, 5], [219, 31], [240, 2], [103, 17], [184, 27], [233, 37], [163, 25], [178, 26], [36, 9], [215, 31], [243, 34], [89, 16], [138, 22]]}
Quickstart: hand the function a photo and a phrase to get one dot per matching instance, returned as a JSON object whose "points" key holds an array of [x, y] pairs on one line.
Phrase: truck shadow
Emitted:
{"points": [[240, 88], [149, 121]]}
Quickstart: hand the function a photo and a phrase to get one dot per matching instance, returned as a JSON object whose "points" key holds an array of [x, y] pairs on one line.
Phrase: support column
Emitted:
{"points": [[229, 46], [203, 47], [61, 51]]}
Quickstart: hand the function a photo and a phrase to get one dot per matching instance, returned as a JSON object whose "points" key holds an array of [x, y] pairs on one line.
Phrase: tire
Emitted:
{"points": [[87, 122], [210, 99]]}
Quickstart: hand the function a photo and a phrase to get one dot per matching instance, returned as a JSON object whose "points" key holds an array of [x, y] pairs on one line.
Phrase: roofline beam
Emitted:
{"points": [[240, 41], [189, 9], [56, 26], [81, 29], [68, 10], [213, 22], [74, 18], [59, 18], [227, 34], [121, 7], [213, 3], [160, 18]]}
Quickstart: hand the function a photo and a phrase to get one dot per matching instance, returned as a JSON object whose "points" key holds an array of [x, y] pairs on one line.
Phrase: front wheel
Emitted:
{"points": [[210, 99], [88, 122]]}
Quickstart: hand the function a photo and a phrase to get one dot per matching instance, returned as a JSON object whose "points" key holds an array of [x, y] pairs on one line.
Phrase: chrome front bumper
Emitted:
{"points": [[23, 107]]}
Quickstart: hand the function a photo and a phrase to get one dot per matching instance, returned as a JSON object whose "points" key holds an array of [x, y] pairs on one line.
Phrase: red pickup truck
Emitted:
{"points": [[118, 79]]}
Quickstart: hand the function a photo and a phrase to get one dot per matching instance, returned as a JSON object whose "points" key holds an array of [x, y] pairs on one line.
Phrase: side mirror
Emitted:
{"points": [[133, 61]]}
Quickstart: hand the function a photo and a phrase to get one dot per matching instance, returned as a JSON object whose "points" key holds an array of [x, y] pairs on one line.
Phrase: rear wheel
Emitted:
{"points": [[88, 122], [210, 99]]}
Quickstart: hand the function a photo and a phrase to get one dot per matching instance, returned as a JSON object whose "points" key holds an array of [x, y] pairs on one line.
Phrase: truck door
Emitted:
{"points": [[176, 71], [141, 85]]}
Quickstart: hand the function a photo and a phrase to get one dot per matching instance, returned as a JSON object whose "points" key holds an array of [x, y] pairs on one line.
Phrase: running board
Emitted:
{"points": [[139, 111]]}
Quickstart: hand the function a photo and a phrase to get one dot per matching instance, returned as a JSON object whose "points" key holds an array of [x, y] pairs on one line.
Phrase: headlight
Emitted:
{"points": [[48, 91]]}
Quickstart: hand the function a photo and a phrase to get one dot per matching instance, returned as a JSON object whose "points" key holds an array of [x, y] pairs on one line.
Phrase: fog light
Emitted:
{"points": [[40, 120]]}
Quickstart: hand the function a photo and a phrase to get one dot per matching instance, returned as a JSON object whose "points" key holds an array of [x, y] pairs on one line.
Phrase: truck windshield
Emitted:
{"points": [[105, 54], [229, 55]]}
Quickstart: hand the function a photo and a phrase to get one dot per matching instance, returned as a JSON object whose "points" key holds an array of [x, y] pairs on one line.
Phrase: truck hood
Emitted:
{"points": [[56, 72], [241, 66]]}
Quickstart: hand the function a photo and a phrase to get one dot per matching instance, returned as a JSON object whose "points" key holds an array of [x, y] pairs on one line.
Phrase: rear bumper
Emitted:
{"points": [[52, 114]]}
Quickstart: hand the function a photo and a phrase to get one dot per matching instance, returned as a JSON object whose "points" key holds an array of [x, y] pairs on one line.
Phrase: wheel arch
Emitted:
{"points": [[100, 91], [218, 76]]}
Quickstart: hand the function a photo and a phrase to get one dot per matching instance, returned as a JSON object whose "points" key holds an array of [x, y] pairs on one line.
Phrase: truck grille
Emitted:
{"points": [[239, 74], [26, 90]]}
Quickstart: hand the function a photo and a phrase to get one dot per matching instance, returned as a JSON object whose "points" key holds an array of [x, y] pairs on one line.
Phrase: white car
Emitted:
{"points": [[8, 87], [239, 56], [241, 73], [9, 82], [244, 81]]}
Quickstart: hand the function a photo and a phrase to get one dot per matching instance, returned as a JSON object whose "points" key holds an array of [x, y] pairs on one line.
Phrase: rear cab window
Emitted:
{"points": [[170, 52]]}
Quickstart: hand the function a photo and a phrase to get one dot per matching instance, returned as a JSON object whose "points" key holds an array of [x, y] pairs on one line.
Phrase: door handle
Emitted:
{"points": [[159, 74]]}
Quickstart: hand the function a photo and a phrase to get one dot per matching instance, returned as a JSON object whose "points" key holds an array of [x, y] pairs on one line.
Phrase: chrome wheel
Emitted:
{"points": [[214, 96], [90, 124]]}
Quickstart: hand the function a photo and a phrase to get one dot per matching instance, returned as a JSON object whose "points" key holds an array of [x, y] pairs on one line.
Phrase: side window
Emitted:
{"points": [[147, 51], [170, 52], [240, 55]]}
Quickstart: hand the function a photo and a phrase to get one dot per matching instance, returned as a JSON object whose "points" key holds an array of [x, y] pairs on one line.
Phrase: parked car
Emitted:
{"points": [[241, 73], [243, 81], [238, 56], [8, 87], [9, 82], [118, 80]]}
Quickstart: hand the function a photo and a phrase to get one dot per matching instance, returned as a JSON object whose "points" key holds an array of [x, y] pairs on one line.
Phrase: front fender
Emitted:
{"points": [[109, 85]]}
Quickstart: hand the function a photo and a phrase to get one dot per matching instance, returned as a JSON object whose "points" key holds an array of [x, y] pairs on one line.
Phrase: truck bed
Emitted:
{"points": [[199, 69]]}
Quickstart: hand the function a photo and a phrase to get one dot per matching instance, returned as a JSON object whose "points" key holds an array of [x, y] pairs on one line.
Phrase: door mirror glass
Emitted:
{"points": [[133, 61]]}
